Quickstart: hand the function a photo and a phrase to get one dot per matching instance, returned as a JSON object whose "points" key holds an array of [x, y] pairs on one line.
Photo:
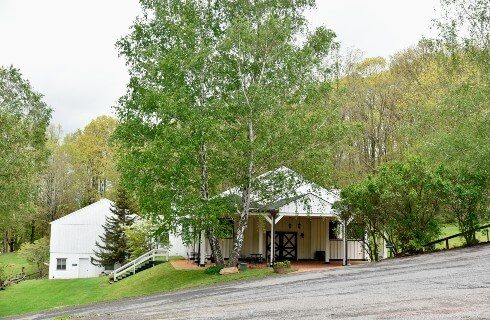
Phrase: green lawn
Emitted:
{"points": [[450, 229], [36, 295], [14, 262]]}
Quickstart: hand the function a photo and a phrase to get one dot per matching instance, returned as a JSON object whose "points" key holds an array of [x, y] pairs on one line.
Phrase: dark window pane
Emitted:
{"points": [[61, 264]]}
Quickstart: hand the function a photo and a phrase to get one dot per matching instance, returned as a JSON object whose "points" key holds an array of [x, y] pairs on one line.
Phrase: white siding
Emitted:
{"points": [[72, 266], [177, 246], [73, 237], [354, 250]]}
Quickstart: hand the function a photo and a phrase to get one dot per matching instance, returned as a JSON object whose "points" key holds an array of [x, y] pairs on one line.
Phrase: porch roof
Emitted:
{"points": [[304, 198]]}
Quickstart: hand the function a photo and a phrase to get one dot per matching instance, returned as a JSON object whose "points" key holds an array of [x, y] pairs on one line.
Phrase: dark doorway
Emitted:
{"points": [[286, 245]]}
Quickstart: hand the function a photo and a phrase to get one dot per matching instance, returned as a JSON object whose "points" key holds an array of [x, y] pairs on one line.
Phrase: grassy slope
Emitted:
{"points": [[36, 295], [14, 263]]}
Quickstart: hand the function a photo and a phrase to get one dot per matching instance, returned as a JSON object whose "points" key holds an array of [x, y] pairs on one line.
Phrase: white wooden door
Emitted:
{"points": [[83, 268]]}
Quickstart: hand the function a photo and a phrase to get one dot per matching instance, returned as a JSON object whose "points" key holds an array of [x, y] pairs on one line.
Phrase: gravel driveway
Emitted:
{"points": [[445, 285]]}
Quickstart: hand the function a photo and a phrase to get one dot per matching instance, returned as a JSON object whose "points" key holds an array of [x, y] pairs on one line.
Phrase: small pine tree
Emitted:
{"points": [[114, 246]]}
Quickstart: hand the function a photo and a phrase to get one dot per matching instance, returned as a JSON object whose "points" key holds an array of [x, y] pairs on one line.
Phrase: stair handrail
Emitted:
{"points": [[144, 257]]}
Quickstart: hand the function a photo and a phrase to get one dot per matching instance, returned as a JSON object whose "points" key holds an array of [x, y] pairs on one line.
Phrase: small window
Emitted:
{"points": [[61, 264]]}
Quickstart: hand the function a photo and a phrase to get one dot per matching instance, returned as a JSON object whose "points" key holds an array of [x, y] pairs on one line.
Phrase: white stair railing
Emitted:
{"points": [[132, 265]]}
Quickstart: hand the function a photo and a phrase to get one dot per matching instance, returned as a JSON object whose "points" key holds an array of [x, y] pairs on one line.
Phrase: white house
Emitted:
{"points": [[73, 240], [303, 222]]}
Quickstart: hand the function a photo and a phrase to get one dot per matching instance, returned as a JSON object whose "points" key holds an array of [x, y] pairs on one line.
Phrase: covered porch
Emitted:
{"points": [[302, 222], [299, 238]]}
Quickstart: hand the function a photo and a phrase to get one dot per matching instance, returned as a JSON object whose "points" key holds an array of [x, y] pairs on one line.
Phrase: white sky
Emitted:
{"points": [[66, 47]]}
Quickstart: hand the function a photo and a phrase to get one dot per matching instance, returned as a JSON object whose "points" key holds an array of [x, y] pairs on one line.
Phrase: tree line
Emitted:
{"points": [[75, 170]]}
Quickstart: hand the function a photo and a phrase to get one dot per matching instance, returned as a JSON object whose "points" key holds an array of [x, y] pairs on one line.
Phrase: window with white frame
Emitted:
{"points": [[61, 264]]}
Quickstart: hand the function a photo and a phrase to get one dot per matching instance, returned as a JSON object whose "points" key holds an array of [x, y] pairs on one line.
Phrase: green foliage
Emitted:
{"points": [[411, 198], [213, 270], [361, 205], [80, 170], [15, 263], [140, 237], [401, 204], [281, 266], [36, 253], [3, 275], [24, 118], [92, 159], [406, 203], [431, 101], [114, 246], [467, 196]]}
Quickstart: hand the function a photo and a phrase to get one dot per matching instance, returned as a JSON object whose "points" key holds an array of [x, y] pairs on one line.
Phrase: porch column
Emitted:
{"points": [[202, 250], [261, 240], [364, 246], [385, 249], [273, 238], [327, 242], [313, 244], [345, 253]]}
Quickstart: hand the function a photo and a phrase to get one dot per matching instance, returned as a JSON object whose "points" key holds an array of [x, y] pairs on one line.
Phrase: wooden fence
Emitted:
{"points": [[446, 239], [19, 278]]}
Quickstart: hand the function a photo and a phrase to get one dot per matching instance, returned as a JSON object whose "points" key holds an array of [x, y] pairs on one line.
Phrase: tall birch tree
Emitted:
{"points": [[215, 89], [169, 115], [273, 62]]}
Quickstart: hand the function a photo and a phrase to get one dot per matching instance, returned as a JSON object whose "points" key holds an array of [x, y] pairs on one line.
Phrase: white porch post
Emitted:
{"points": [[202, 249], [312, 238], [385, 250], [273, 238], [327, 242], [345, 253], [364, 246], [261, 240]]}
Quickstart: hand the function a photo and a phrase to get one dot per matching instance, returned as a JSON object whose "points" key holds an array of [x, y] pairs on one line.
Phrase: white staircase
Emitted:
{"points": [[142, 262]]}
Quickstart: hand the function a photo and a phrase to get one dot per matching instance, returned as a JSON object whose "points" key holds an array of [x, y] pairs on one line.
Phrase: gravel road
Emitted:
{"points": [[444, 285]]}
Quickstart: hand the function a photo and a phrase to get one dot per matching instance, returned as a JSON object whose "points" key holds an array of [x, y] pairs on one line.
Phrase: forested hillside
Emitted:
{"points": [[221, 94]]}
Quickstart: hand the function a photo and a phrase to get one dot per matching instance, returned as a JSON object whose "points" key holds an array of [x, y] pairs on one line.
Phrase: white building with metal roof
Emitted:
{"points": [[73, 239]]}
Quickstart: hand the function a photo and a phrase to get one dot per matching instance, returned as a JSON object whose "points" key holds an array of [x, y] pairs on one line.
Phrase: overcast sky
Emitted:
{"points": [[65, 48]]}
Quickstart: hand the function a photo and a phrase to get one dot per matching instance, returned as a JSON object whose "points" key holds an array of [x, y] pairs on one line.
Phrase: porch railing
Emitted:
{"points": [[446, 239]]}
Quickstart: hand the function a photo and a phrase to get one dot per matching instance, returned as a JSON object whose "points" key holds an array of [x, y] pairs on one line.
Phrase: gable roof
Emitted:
{"points": [[302, 193], [93, 214]]}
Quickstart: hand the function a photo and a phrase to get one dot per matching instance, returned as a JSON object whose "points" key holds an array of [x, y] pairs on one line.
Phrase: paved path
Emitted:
{"points": [[445, 285]]}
